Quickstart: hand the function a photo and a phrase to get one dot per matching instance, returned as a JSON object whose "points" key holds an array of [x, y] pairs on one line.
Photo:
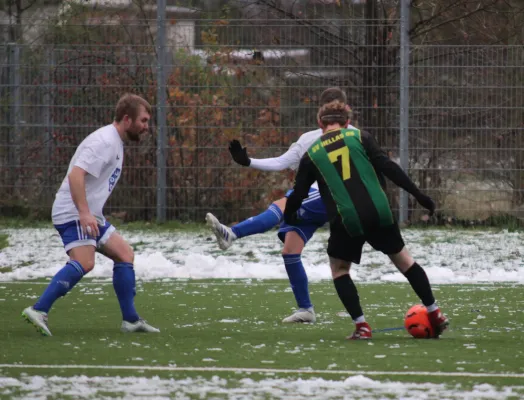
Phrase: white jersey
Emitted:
{"points": [[291, 158], [101, 154]]}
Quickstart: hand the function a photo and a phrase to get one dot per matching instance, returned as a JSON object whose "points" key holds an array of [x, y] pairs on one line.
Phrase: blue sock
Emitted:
{"points": [[62, 282], [298, 279], [124, 285], [260, 223]]}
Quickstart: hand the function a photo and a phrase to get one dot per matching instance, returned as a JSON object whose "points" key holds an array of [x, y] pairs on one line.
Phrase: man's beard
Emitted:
{"points": [[133, 134]]}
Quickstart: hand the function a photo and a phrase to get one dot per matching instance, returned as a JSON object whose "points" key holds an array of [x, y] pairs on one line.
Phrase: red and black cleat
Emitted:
{"points": [[439, 322], [362, 332]]}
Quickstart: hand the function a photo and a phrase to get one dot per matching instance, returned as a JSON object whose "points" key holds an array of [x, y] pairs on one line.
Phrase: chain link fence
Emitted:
{"points": [[467, 127], [255, 77]]}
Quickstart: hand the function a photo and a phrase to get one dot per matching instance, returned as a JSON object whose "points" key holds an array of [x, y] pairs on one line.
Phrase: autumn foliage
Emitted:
{"points": [[210, 100]]}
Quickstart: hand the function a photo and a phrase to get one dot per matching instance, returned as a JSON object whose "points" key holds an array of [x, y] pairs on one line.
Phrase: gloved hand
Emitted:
{"points": [[426, 202], [239, 153]]}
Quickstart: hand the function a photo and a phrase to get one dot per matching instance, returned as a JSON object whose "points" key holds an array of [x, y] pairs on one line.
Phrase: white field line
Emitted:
{"points": [[263, 370], [108, 281], [252, 281]]}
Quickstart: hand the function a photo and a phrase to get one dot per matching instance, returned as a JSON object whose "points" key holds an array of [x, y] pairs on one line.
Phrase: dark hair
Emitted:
{"points": [[129, 104], [335, 112], [332, 94]]}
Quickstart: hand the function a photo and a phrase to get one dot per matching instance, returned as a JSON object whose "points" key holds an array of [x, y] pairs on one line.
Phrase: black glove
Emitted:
{"points": [[427, 203], [239, 153]]}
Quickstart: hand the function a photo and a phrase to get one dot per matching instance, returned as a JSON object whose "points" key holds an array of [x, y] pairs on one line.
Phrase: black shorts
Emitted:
{"points": [[386, 239]]}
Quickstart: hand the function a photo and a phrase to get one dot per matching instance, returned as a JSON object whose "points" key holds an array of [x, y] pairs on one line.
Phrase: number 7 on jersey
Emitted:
{"points": [[343, 153]]}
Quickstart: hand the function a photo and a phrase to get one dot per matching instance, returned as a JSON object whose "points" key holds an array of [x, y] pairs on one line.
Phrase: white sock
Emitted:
{"points": [[360, 319], [432, 307]]}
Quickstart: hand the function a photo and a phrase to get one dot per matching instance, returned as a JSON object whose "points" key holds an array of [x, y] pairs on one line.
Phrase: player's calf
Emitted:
{"points": [[124, 284], [60, 285]]}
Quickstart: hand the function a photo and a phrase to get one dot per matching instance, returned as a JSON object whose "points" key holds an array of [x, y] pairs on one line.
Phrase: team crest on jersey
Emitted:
{"points": [[114, 178]]}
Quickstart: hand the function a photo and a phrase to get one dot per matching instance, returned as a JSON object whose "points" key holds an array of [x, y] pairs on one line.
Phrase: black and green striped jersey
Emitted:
{"points": [[348, 165]]}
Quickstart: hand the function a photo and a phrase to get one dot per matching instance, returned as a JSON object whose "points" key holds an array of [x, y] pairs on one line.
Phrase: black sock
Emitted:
{"points": [[419, 282], [347, 292]]}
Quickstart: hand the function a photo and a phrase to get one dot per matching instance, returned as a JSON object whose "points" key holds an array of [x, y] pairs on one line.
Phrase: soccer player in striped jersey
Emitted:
{"points": [[348, 164], [93, 173], [294, 237]]}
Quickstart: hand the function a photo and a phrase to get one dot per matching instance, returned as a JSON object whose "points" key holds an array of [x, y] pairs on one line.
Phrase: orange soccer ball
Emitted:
{"points": [[416, 322]]}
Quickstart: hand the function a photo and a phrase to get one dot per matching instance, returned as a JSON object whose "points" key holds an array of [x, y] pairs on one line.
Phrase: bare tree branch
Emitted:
{"points": [[414, 34]]}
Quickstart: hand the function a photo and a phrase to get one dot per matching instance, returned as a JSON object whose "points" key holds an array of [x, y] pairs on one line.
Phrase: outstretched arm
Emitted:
{"points": [[381, 162], [290, 159]]}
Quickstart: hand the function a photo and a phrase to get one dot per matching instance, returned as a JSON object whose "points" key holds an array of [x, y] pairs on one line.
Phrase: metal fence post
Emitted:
{"points": [[161, 111], [404, 102], [47, 112], [15, 107]]}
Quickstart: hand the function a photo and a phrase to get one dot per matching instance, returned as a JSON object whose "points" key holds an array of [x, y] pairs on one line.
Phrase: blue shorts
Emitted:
{"points": [[72, 235], [313, 215]]}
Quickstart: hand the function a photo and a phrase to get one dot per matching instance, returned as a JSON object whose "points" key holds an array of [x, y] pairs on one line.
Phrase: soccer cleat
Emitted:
{"points": [[138, 326], [362, 332], [224, 234], [438, 321], [301, 315], [38, 319]]}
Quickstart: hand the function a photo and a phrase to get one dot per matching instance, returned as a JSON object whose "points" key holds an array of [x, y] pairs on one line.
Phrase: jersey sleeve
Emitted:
{"points": [[93, 157], [290, 159], [305, 177], [377, 156], [383, 164]]}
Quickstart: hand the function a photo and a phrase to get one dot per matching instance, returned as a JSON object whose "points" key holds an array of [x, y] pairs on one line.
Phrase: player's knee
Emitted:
{"points": [[339, 267], [338, 272], [127, 254], [123, 253], [87, 264], [281, 203], [293, 244], [85, 256], [286, 251], [292, 250], [402, 260]]}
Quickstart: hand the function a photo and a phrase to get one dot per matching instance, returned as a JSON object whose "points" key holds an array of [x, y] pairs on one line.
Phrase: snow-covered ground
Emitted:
{"points": [[355, 387], [448, 256]]}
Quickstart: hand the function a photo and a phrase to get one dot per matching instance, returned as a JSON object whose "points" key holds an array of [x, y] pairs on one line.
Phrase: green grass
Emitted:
{"points": [[220, 323], [156, 227], [175, 225], [4, 241], [15, 223], [237, 324]]}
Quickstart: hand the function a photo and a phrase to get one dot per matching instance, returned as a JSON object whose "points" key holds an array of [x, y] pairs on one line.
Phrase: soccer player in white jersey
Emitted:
{"points": [[77, 215], [313, 214]]}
